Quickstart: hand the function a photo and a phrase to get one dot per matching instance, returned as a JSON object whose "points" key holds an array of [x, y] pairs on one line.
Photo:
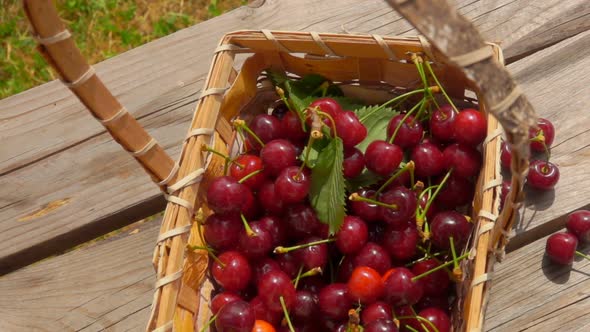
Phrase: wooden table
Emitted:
{"points": [[63, 181]]}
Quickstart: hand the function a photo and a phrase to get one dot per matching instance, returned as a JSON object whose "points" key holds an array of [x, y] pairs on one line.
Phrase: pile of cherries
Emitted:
{"points": [[562, 247], [392, 264]]}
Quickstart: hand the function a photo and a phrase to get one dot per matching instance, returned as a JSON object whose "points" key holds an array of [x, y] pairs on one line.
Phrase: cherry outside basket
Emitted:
{"points": [[366, 67]]}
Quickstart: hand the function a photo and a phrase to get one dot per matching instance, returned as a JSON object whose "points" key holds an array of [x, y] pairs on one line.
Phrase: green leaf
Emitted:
{"points": [[327, 194], [365, 179], [376, 121], [314, 152]]}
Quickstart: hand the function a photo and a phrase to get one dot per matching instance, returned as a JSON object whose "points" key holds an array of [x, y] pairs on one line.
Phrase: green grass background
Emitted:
{"points": [[101, 28]]}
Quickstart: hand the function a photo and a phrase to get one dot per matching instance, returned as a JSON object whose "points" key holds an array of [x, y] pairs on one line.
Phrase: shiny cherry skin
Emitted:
{"points": [[367, 211], [276, 227], [464, 160], [438, 318], [548, 130], [383, 158], [457, 191], [257, 245], [365, 285], [222, 232], [401, 243], [312, 256], [405, 202], [435, 284], [505, 156], [236, 316], [222, 299], [274, 285], [327, 105], [292, 128], [335, 301], [428, 160], [262, 326], [381, 325], [432, 210], [442, 123], [352, 236], [350, 129], [262, 266], [302, 220], [374, 256], [400, 290], [292, 185], [409, 134], [266, 127], [561, 248], [376, 310], [450, 223], [236, 273], [543, 175], [345, 268], [288, 263], [470, 127], [354, 163], [578, 223], [245, 165], [226, 195], [269, 199], [306, 306], [277, 155]]}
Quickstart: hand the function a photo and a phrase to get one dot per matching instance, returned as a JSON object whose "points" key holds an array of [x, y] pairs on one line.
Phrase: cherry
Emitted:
{"points": [[274, 285], [374, 256], [505, 156], [257, 245], [428, 159], [268, 198], [236, 316], [292, 185], [561, 248], [266, 127], [376, 231], [354, 163], [327, 105], [235, 273], [365, 285], [278, 154], [262, 326], [546, 127], [578, 223], [367, 211], [352, 236], [457, 191], [470, 127], [405, 202], [383, 158], [245, 165], [381, 325], [276, 227], [438, 318], [292, 129], [442, 123], [222, 232], [302, 220], [432, 210], [312, 256], [463, 159], [313, 284], [280, 110], [345, 268], [409, 134], [376, 310], [222, 299], [400, 289], [264, 265], [448, 224], [305, 306], [401, 243], [350, 129], [334, 301], [427, 301], [261, 311], [226, 195], [435, 284], [288, 263], [543, 175]]}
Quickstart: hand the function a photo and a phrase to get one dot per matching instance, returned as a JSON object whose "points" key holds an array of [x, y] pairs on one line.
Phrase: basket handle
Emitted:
{"points": [[57, 46]]}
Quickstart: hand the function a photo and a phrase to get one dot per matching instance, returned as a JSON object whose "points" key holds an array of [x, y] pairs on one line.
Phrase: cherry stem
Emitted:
{"points": [[239, 123], [399, 125], [355, 197], [426, 256], [250, 175], [422, 214], [421, 319], [582, 255], [411, 329], [409, 166], [205, 147], [296, 280], [440, 267], [323, 88], [333, 123], [441, 87], [454, 253], [206, 326], [209, 251], [286, 313], [284, 250], [305, 161], [389, 102], [249, 230], [310, 273]]}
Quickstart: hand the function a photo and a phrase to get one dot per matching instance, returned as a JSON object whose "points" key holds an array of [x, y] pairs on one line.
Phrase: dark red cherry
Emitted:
{"points": [[289, 263], [381, 325], [442, 123], [292, 129], [404, 201], [306, 306], [435, 284], [401, 243], [222, 232], [350, 129], [226, 195], [236, 272], [578, 223], [235, 316], [440, 302], [543, 175], [262, 312], [269, 199], [561, 248], [376, 310], [274, 285], [266, 127], [450, 223], [432, 210], [428, 160], [354, 163], [365, 285], [505, 156], [313, 284], [257, 245], [409, 134], [374, 256], [457, 191], [312, 256], [277, 155], [222, 299], [345, 268], [383, 158], [352, 236], [464, 160], [400, 290], [366, 211], [548, 130], [470, 127], [245, 165], [292, 185], [264, 265], [302, 220], [280, 110], [276, 227], [334, 301], [438, 318]]}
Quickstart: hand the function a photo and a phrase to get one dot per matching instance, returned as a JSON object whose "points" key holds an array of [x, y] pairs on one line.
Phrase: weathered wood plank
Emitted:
{"points": [[107, 286], [53, 157]]}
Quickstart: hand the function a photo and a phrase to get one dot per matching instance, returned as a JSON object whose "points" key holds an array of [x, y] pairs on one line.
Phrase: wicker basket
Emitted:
{"points": [[366, 67]]}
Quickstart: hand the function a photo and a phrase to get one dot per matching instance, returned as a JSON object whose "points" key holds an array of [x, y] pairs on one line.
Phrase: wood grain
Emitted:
{"points": [[53, 150], [107, 286]]}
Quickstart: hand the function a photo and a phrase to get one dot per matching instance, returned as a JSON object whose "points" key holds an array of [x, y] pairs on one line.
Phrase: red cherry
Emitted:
{"points": [[548, 130], [405, 202], [306, 306], [376, 310], [312, 256], [561, 248], [366, 211], [327, 105], [409, 134], [373, 256], [245, 165], [257, 245], [352, 236], [457, 191], [463, 159], [269, 199], [470, 127], [235, 274], [274, 285], [578, 223], [505, 156], [292, 185], [543, 175], [334, 301], [428, 159], [401, 243], [277, 155], [381, 325], [222, 232], [235, 316], [222, 299], [292, 129], [442, 123], [400, 290], [350, 129], [383, 158], [438, 318], [365, 285], [447, 224], [435, 284], [226, 195], [354, 163]]}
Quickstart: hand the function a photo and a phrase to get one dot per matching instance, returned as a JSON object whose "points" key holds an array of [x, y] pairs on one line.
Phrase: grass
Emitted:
{"points": [[101, 28]]}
